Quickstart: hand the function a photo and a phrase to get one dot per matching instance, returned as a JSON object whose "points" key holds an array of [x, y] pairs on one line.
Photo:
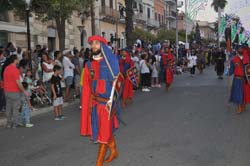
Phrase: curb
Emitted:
{"points": [[40, 111]]}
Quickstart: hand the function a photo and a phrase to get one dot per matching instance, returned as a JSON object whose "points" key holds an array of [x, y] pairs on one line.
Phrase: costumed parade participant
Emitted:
{"points": [[126, 66], [98, 119], [220, 60], [246, 63], [167, 62], [237, 89]]}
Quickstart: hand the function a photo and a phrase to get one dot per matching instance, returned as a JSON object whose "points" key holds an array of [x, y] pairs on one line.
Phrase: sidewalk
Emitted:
{"points": [[40, 111]]}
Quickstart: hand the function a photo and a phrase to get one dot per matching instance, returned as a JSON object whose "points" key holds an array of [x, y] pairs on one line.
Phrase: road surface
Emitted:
{"points": [[190, 125]]}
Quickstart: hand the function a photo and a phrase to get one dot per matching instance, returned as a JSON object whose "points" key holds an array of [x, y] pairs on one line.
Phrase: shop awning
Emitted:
{"points": [[8, 27]]}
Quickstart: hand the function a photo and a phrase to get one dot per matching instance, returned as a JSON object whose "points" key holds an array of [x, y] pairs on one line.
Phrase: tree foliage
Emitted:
{"points": [[59, 10], [165, 34], [141, 34]]}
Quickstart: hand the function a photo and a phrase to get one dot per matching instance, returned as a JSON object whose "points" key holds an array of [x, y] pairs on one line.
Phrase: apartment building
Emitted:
{"points": [[182, 23], [144, 16], [207, 30], [14, 29], [109, 21], [171, 13]]}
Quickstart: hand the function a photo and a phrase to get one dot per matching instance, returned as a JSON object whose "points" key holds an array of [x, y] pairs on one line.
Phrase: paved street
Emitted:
{"points": [[189, 126]]}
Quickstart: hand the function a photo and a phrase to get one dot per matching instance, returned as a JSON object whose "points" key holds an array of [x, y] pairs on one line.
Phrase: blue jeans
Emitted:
{"points": [[25, 114]]}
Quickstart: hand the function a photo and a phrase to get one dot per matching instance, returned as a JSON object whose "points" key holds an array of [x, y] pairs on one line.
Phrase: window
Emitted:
{"points": [[149, 14], [3, 38], [159, 17], [111, 4], [103, 3], [4, 16], [134, 5], [155, 16], [140, 8]]}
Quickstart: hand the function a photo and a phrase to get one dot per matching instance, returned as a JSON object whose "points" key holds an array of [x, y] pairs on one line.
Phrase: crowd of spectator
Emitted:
{"points": [[30, 78]]}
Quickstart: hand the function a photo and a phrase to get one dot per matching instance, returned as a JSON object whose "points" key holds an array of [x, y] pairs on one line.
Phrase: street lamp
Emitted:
{"points": [[81, 29], [28, 2]]}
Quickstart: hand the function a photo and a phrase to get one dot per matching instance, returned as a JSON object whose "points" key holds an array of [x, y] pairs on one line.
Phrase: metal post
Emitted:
{"points": [[28, 28]]}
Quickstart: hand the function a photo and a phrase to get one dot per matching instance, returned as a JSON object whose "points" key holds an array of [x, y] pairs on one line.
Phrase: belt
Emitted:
{"points": [[99, 99], [238, 77]]}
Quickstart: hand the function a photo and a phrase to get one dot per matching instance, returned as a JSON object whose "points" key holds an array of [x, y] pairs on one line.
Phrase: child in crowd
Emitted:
{"points": [[155, 73], [40, 87], [25, 109], [28, 80], [57, 92]]}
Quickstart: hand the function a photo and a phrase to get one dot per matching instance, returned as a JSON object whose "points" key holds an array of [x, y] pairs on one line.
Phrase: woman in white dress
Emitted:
{"points": [[47, 69], [155, 73]]}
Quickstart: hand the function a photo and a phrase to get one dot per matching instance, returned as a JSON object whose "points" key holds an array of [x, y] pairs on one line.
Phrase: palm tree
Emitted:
{"points": [[218, 6]]}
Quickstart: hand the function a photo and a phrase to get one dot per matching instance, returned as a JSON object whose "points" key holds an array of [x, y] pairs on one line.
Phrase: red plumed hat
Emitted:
{"points": [[98, 38]]}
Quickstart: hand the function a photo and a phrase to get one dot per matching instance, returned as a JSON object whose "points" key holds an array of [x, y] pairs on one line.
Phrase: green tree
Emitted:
{"points": [[165, 34], [129, 22], [59, 10], [142, 34]]}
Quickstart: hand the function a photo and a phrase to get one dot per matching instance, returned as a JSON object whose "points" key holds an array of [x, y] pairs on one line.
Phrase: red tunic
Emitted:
{"points": [[95, 120], [126, 64], [168, 62], [246, 86]]}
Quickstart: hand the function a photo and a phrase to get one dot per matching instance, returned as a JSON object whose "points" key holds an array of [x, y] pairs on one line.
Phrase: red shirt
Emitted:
{"points": [[11, 75]]}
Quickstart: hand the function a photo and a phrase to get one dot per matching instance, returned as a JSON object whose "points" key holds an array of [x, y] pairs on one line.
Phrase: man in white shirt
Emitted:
{"points": [[68, 68]]}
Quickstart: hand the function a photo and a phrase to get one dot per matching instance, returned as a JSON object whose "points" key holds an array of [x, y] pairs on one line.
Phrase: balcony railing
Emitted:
{"points": [[171, 2], [171, 15], [153, 23], [140, 18], [108, 13]]}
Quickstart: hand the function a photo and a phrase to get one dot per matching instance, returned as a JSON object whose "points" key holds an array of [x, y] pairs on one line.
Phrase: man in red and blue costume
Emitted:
{"points": [[246, 61], [99, 77], [167, 62], [237, 89], [126, 63]]}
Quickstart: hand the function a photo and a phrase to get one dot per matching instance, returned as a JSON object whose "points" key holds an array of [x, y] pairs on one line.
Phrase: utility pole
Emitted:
{"points": [[177, 32]]}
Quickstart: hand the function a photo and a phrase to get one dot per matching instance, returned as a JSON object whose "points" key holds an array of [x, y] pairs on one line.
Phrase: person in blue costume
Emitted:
{"points": [[100, 76], [237, 90]]}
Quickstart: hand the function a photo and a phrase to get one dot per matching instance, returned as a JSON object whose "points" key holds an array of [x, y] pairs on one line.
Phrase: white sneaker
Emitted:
{"points": [[144, 89], [29, 125], [147, 90]]}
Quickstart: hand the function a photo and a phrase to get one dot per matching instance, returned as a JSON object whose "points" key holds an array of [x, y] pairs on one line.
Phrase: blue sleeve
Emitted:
{"points": [[231, 69]]}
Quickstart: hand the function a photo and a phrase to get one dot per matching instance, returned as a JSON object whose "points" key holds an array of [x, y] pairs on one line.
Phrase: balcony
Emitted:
{"points": [[108, 14], [140, 18], [170, 2], [152, 23], [171, 15]]}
